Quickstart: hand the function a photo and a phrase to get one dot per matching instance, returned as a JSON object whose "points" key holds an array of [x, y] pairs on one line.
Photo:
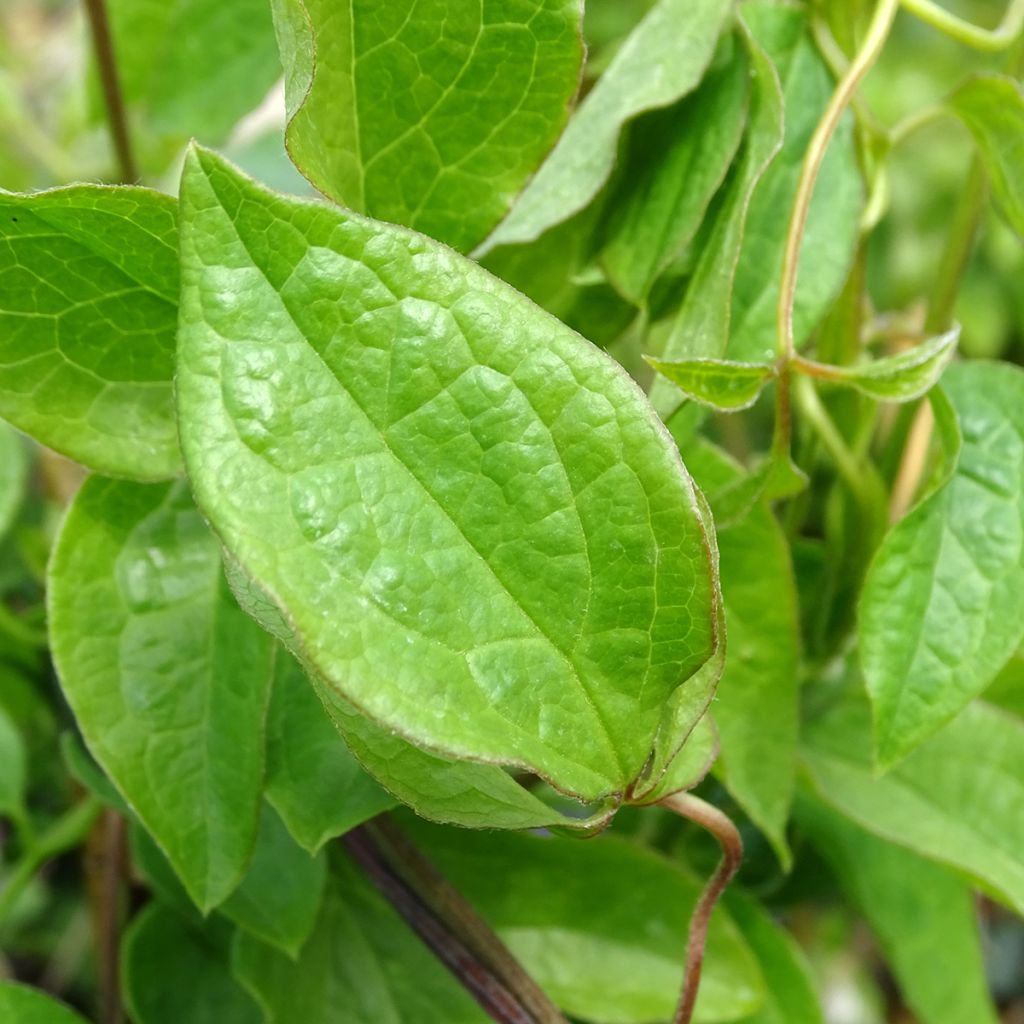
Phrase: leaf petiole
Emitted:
{"points": [[966, 32]]}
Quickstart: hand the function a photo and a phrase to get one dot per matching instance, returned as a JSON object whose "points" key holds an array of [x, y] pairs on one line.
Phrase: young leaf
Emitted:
{"points": [[790, 996], [955, 800], [701, 326], [429, 115], [178, 970], [172, 58], [279, 898], [757, 702], [675, 162], [899, 378], [361, 965], [664, 59], [923, 915], [426, 472], [88, 309], [718, 383], [605, 941], [943, 605], [20, 1004], [13, 473], [833, 221], [313, 781], [992, 107], [167, 678]]}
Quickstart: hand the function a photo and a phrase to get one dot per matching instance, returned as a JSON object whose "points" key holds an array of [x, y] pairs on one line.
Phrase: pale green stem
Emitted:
{"points": [[966, 32]]}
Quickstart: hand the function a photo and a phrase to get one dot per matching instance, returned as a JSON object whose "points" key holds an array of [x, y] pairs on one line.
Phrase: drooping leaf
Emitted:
{"points": [[956, 799], [701, 326], [899, 378], [431, 115], [167, 678], [20, 1004], [943, 605], [992, 107], [832, 230], [446, 491], [361, 965], [675, 162], [664, 58], [175, 56], [605, 941], [88, 308], [13, 471], [313, 781], [178, 970], [790, 996], [923, 915], [279, 898], [757, 702], [719, 383], [12, 769]]}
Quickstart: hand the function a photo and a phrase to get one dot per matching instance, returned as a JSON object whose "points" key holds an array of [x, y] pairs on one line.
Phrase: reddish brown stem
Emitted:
{"points": [[117, 118], [106, 869], [711, 818]]}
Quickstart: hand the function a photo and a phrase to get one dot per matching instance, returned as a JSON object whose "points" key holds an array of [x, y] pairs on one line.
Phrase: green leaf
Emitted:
{"points": [[361, 965], [923, 915], [13, 475], [943, 604], [12, 769], [719, 383], [279, 898], [955, 800], [790, 995], [899, 378], [833, 223], [167, 678], [444, 490], [701, 326], [663, 59], [606, 941], [429, 115], [87, 773], [20, 1004], [675, 162], [191, 68], [88, 310], [176, 970], [313, 781], [992, 107]]}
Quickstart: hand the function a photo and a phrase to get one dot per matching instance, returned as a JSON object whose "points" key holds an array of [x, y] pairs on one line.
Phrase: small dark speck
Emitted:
{"points": [[15, 219]]}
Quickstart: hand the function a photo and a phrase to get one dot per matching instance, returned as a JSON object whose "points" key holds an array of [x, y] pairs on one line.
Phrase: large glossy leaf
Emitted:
{"points": [[943, 605], [675, 161], [313, 781], [923, 915], [958, 799], [177, 970], [832, 227], [20, 1004], [701, 327], [192, 68], [13, 472], [992, 107], [167, 678], [478, 531], [431, 115], [790, 996], [664, 59], [605, 940], [757, 705], [361, 965], [88, 306]]}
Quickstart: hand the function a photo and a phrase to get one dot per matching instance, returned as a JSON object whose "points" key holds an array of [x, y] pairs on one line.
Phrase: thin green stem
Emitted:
{"points": [[117, 118], [721, 827], [966, 32]]}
